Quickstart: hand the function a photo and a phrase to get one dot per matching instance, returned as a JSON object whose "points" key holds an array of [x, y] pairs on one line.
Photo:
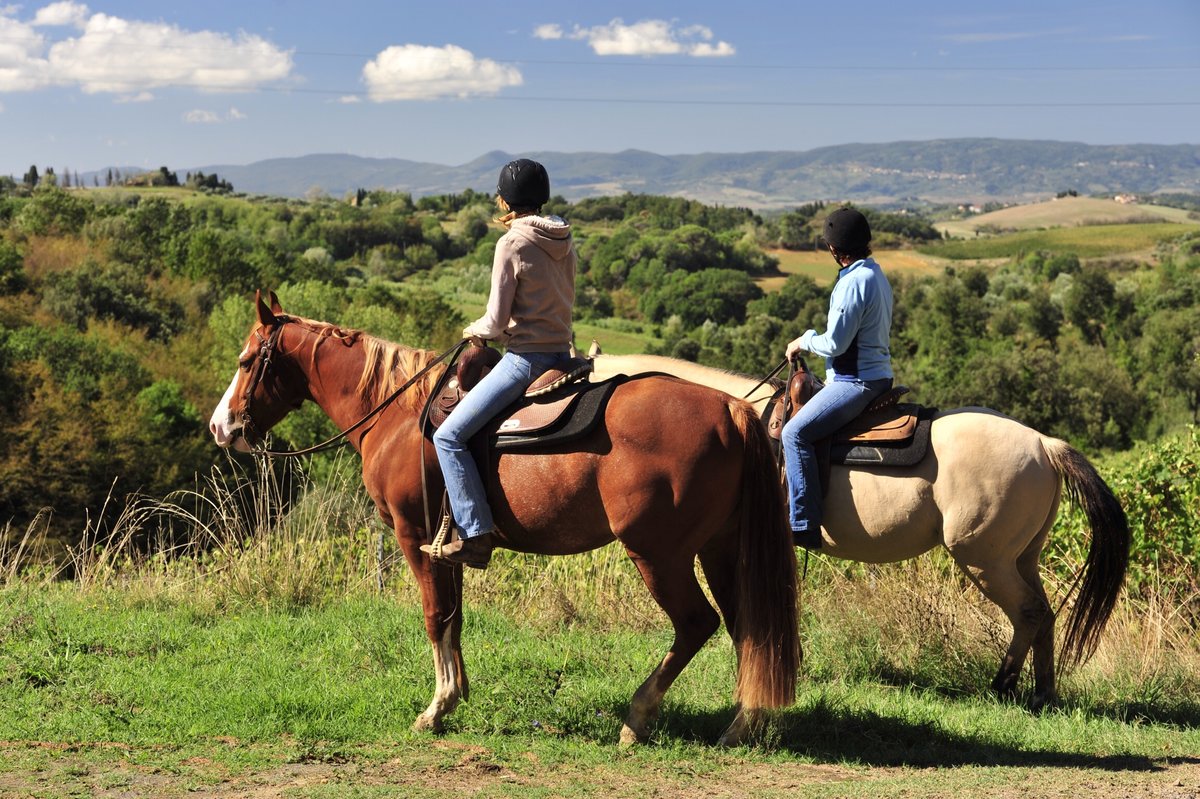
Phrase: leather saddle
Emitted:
{"points": [[559, 406], [887, 433]]}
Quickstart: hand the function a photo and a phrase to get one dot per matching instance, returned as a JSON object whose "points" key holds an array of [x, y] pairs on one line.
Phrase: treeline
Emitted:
{"points": [[122, 310]]}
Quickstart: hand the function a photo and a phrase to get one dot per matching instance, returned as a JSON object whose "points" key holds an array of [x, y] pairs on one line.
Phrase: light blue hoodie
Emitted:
{"points": [[856, 342]]}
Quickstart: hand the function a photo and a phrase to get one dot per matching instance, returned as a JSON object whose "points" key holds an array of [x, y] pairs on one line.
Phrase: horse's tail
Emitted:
{"points": [[1108, 555], [767, 633]]}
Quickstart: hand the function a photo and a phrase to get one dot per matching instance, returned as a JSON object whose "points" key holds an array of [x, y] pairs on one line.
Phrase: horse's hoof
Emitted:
{"points": [[630, 738], [1042, 702], [427, 724], [734, 735]]}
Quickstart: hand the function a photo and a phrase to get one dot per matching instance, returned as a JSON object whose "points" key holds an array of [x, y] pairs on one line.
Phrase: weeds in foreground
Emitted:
{"points": [[271, 539]]}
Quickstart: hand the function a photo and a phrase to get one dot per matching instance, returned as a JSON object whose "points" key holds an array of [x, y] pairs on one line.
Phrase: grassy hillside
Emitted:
{"points": [[1063, 212], [1091, 241], [819, 266]]}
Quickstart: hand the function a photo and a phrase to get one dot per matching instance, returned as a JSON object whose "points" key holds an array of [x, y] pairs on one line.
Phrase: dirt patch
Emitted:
{"points": [[451, 769]]}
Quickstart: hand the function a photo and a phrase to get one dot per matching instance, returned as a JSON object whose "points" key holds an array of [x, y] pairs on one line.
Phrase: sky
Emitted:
{"points": [[149, 83]]}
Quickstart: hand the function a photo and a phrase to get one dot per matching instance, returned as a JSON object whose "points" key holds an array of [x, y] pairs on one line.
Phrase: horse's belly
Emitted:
{"points": [[879, 517]]}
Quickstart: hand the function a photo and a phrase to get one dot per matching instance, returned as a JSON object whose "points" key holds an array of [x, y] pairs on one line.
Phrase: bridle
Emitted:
{"points": [[262, 363], [266, 348]]}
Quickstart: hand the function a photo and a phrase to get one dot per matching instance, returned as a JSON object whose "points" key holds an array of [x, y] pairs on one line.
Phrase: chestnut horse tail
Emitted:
{"points": [[1108, 555], [767, 634]]}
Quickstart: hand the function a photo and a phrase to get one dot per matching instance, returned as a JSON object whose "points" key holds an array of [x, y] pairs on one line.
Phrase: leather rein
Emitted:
{"points": [[266, 352]]}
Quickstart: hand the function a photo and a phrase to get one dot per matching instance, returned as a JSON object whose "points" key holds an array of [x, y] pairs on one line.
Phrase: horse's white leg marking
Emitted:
{"points": [[446, 692]]}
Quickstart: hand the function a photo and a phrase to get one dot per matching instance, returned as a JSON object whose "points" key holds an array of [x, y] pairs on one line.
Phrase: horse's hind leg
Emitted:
{"points": [[1028, 564], [717, 560], [1025, 605], [674, 587]]}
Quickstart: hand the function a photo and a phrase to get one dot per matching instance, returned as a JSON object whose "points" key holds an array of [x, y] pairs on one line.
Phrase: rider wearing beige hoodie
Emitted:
{"points": [[529, 313]]}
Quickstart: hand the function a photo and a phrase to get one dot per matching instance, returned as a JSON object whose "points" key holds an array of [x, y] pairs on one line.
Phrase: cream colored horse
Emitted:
{"points": [[988, 492]]}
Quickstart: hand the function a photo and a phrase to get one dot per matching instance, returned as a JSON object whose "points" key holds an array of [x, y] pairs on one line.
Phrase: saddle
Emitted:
{"points": [[559, 406], [887, 433]]}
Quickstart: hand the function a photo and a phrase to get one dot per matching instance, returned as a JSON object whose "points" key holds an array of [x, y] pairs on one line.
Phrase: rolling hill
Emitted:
{"points": [[948, 170]]}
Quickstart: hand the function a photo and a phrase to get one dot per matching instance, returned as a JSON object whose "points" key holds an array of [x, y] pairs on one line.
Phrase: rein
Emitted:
{"points": [[265, 352], [767, 379]]}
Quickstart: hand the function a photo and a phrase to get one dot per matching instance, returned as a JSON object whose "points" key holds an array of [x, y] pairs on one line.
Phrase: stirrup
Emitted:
{"points": [[441, 537]]}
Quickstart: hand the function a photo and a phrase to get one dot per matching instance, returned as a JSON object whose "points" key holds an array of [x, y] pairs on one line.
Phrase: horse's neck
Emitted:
{"points": [[333, 370], [729, 382]]}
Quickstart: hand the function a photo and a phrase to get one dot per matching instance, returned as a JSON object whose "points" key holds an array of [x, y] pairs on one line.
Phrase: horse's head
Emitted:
{"points": [[263, 390]]}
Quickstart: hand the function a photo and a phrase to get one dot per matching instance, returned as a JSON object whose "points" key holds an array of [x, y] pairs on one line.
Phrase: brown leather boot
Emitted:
{"points": [[474, 552]]}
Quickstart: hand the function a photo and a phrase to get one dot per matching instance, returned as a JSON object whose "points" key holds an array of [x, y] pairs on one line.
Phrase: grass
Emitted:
{"points": [[287, 656], [107, 690], [1063, 212], [1093, 241], [820, 268]]}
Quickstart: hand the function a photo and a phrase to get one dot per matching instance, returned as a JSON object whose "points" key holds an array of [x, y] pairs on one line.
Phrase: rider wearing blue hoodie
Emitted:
{"points": [[858, 362]]}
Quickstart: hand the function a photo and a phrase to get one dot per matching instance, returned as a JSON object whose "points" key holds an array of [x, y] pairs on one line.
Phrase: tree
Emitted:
{"points": [[1087, 303], [31, 178]]}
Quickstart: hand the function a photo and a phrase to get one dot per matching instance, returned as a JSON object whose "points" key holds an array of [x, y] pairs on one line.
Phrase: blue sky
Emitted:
{"points": [[142, 83]]}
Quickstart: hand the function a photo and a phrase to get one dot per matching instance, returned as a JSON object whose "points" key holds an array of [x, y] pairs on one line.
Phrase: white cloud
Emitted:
{"points": [[417, 72], [117, 55], [62, 13], [548, 31], [23, 66], [201, 117], [650, 37], [129, 57]]}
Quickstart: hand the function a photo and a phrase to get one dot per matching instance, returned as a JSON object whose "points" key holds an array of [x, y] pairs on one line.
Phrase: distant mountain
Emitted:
{"points": [[947, 170]]}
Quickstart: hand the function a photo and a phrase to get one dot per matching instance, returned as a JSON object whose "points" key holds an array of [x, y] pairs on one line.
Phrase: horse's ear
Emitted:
{"points": [[275, 306], [265, 315]]}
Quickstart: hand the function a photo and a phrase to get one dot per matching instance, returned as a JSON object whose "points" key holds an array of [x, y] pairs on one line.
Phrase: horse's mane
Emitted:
{"points": [[386, 365]]}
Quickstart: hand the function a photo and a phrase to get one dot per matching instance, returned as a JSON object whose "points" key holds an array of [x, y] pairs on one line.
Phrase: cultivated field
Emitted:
{"points": [[1063, 212], [820, 267]]}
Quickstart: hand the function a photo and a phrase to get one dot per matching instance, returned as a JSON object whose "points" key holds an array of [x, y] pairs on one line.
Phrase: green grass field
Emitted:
{"points": [[819, 266], [1093, 241], [113, 692], [1063, 212]]}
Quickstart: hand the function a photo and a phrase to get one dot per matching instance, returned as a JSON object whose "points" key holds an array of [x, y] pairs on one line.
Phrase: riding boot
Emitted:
{"points": [[474, 552], [808, 539]]}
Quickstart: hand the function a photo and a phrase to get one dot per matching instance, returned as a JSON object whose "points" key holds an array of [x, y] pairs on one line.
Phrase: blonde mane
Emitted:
{"points": [[386, 365]]}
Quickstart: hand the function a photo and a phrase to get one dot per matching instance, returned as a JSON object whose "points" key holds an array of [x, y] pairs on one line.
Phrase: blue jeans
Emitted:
{"points": [[831, 408], [502, 386]]}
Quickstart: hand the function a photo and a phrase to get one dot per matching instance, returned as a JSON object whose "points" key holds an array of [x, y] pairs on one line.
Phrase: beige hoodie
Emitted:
{"points": [[533, 287]]}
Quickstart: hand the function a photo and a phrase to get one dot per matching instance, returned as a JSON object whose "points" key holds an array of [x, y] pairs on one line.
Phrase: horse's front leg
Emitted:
{"points": [[441, 599]]}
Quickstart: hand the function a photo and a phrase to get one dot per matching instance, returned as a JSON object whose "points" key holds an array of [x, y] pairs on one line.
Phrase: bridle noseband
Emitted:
{"points": [[258, 371]]}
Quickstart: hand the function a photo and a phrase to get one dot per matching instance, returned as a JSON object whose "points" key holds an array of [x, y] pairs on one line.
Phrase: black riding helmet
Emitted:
{"points": [[524, 185], [847, 231]]}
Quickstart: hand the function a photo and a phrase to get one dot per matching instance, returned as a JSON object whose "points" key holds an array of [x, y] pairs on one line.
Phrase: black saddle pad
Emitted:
{"points": [[585, 413], [909, 452]]}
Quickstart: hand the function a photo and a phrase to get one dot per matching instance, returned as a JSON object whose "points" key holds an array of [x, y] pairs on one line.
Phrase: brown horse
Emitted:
{"points": [[988, 491], [676, 471]]}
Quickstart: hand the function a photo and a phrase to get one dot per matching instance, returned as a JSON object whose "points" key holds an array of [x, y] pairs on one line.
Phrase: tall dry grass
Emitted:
{"points": [[262, 538]]}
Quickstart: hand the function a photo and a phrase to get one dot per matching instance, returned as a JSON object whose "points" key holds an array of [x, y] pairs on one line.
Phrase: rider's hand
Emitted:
{"points": [[794, 349]]}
